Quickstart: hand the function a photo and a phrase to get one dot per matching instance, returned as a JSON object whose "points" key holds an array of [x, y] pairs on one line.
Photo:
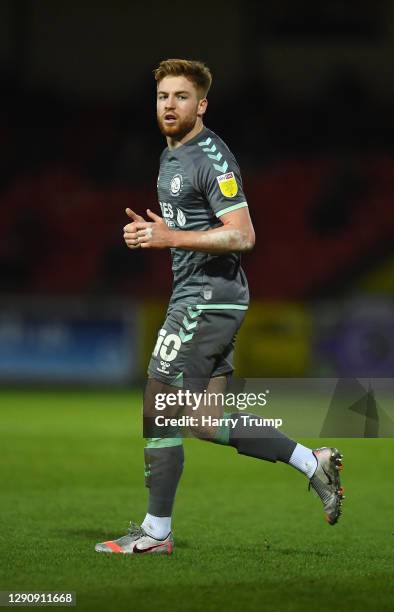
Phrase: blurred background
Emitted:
{"points": [[303, 94]]}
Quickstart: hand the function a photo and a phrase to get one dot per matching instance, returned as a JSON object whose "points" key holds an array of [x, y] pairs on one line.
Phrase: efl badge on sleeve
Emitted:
{"points": [[228, 184]]}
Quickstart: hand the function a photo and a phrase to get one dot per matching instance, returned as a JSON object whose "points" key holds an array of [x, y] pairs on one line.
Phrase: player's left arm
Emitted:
{"points": [[225, 196], [236, 234]]}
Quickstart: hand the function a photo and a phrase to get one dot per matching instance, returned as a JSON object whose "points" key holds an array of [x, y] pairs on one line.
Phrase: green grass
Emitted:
{"points": [[248, 536]]}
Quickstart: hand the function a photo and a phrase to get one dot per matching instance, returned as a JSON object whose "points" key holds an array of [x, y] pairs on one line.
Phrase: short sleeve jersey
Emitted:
{"points": [[198, 183]]}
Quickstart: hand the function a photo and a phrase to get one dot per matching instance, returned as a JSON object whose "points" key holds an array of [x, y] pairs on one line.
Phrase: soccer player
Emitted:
{"points": [[205, 222]]}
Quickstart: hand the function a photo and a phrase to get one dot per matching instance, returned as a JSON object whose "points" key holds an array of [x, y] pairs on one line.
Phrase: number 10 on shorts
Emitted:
{"points": [[168, 345]]}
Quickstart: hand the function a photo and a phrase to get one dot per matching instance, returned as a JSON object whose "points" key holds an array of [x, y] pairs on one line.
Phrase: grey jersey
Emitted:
{"points": [[198, 183]]}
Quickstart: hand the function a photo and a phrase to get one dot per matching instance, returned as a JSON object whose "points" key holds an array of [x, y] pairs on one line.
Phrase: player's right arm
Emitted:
{"points": [[236, 234], [130, 230]]}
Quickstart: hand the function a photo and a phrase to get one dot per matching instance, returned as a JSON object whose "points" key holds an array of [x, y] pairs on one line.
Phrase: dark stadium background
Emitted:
{"points": [[303, 94]]}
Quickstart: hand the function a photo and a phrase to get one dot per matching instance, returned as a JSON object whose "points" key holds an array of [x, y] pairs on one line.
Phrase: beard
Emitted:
{"points": [[179, 129]]}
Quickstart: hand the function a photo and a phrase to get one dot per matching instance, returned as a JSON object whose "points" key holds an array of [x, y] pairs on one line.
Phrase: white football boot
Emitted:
{"points": [[137, 541]]}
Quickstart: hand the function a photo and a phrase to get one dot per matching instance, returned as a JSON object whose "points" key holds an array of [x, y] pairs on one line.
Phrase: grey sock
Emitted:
{"points": [[260, 442], [163, 469]]}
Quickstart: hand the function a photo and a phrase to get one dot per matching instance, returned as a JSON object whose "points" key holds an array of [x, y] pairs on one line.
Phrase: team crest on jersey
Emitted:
{"points": [[228, 184], [176, 184]]}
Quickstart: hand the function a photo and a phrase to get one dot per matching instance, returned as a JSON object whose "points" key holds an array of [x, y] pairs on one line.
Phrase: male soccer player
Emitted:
{"points": [[206, 224]]}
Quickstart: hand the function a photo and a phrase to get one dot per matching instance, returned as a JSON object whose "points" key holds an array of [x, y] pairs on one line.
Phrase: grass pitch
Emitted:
{"points": [[247, 534]]}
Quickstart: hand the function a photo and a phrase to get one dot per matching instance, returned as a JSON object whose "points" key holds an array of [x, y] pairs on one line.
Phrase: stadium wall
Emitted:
{"points": [[108, 342]]}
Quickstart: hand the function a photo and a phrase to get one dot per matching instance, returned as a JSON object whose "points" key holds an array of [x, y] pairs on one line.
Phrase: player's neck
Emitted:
{"points": [[174, 143]]}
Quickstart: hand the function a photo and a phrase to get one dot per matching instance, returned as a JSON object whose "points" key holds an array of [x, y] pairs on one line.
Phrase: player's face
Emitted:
{"points": [[178, 106]]}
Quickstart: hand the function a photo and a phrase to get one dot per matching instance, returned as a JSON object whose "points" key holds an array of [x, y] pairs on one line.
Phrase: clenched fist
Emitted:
{"points": [[130, 231], [146, 234]]}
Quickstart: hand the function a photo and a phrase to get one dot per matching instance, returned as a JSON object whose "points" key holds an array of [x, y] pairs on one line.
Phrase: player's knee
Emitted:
{"points": [[203, 431]]}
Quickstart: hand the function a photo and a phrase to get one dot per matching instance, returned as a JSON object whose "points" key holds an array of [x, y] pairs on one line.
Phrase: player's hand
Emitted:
{"points": [[130, 230], [155, 234]]}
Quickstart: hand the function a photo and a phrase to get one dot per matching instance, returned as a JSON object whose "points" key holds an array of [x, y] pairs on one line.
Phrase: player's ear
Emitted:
{"points": [[202, 107]]}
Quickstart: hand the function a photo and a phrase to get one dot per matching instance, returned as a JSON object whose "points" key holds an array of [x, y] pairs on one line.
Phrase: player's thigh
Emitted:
{"points": [[203, 410], [193, 352], [193, 345]]}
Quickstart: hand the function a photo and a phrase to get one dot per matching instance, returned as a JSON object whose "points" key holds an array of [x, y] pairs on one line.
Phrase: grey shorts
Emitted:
{"points": [[196, 343]]}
